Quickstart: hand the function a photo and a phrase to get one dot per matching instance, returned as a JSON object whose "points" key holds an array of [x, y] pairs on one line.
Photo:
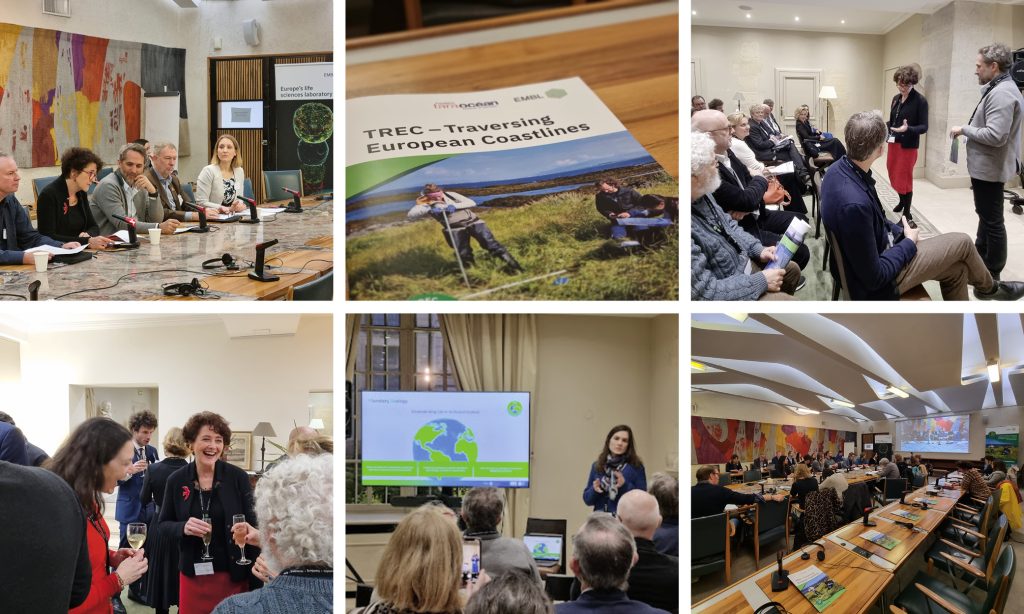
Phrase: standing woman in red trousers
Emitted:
{"points": [[908, 120]]}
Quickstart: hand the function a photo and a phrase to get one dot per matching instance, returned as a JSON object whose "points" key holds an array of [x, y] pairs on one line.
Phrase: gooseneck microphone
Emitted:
{"points": [[867, 515], [203, 227], [133, 238], [254, 217], [261, 252], [780, 576], [296, 205], [33, 290]]}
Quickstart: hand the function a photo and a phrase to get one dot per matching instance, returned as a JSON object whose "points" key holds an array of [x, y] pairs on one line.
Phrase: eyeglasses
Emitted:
{"points": [[726, 128], [90, 174]]}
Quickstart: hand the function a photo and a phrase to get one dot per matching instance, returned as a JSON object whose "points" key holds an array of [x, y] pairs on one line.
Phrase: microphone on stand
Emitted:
{"points": [[254, 217], [33, 290], [296, 205], [203, 227], [133, 238], [261, 251]]}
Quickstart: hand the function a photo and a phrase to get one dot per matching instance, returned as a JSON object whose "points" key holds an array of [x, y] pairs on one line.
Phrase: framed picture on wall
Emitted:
{"points": [[239, 452]]}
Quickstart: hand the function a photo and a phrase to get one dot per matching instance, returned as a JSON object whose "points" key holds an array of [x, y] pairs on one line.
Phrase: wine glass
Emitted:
{"points": [[240, 538], [136, 534], [207, 537]]}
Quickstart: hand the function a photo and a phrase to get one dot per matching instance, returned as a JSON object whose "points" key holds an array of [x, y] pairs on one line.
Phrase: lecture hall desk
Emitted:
{"points": [[305, 249]]}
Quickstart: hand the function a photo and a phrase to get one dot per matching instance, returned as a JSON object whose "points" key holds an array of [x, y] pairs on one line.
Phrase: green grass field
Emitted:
{"points": [[562, 231]]}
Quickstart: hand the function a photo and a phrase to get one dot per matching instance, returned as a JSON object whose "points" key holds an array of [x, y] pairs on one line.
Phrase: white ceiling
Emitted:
{"points": [[861, 16], [807, 360], [235, 325]]}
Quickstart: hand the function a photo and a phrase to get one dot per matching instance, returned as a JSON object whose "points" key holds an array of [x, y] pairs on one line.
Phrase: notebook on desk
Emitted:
{"points": [[545, 548]]}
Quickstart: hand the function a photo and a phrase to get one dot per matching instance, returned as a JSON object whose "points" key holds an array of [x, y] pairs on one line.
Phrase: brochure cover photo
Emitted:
{"points": [[530, 192]]}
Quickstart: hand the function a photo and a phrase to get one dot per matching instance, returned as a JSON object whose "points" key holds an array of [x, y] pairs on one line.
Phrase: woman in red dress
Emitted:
{"points": [[92, 460]]}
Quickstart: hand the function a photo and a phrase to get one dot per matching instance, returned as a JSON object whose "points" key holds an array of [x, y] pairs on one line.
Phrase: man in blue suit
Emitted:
{"points": [[129, 504], [603, 554]]}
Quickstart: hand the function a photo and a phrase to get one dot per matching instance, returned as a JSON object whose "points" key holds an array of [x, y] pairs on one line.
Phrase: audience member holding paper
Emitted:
{"points": [[725, 261], [770, 144], [62, 208], [882, 260], [16, 232]]}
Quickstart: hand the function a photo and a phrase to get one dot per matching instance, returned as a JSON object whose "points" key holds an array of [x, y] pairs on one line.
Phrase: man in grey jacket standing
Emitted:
{"points": [[993, 150], [128, 193]]}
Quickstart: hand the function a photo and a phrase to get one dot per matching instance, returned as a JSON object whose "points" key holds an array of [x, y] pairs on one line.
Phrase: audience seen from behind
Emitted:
{"points": [[665, 489], [294, 505], [654, 578], [834, 480], [603, 553], [94, 457], [725, 261], [717, 104], [482, 511], [883, 260], [513, 592]]}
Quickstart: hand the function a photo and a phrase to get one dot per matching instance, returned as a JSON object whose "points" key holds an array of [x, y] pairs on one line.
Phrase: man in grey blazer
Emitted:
{"points": [[128, 193], [993, 150]]}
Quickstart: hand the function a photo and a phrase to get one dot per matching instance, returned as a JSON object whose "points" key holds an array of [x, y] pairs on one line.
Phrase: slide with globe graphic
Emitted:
{"points": [[446, 439]]}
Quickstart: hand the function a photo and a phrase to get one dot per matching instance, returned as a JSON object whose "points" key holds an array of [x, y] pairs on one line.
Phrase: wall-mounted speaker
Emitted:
{"points": [[251, 32]]}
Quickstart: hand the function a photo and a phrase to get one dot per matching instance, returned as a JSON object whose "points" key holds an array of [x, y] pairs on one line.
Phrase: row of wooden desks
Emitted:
{"points": [[864, 575]]}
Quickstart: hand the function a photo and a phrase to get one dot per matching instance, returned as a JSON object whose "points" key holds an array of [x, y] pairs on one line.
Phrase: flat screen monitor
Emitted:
{"points": [[458, 439], [240, 114]]}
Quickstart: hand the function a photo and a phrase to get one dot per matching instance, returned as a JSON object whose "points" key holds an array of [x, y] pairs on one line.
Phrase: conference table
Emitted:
{"points": [[854, 476], [303, 253], [865, 576]]}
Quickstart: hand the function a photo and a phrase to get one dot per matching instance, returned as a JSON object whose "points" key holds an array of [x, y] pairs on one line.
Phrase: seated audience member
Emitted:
{"points": [[482, 511], [144, 143], [128, 193], [814, 464], [803, 483], [619, 201], [44, 553], [742, 196], [665, 489], [421, 567], [295, 508], [901, 465], [654, 578], [62, 208], [761, 462], [740, 129], [734, 464], [837, 481], [770, 115], [707, 498], [18, 233], [770, 144], [861, 460], [161, 174], [716, 104], [780, 466], [603, 554], [998, 474], [882, 260], [917, 468], [972, 481], [13, 445], [887, 469], [35, 456], [813, 140], [220, 183], [513, 592], [987, 465], [723, 257], [697, 103]]}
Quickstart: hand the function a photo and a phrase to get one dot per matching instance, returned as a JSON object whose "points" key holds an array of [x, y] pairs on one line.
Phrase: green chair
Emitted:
{"points": [[972, 532], [39, 184], [771, 523], [273, 181], [320, 289], [247, 189], [928, 594], [974, 567], [709, 546]]}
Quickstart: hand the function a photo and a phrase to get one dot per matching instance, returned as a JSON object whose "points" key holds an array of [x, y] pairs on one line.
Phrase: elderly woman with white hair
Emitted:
{"points": [[294, 505], [725, 260]]}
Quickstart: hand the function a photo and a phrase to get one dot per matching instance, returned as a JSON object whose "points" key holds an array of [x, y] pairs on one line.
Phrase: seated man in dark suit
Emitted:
{"points": [[881, 259], [742, 196], [603, 554], [654, 578], [770, 144], [707, 498]]}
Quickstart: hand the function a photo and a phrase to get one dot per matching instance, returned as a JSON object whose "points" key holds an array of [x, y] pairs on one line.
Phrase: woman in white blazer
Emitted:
{"points": [[221, 182]]}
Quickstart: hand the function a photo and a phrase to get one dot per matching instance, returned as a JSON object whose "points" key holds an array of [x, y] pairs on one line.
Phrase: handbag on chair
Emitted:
{"points": [[776, 194]]}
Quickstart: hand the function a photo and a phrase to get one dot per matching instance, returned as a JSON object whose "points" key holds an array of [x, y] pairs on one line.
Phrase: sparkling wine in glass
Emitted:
{"points": [[136, 534], [207, 537], [240, 538]]}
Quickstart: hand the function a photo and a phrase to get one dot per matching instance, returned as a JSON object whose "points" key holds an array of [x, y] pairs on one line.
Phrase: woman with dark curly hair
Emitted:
{"points": [[62, 208], [908, 120], [92, 459], [617, 470], [199, 504]]}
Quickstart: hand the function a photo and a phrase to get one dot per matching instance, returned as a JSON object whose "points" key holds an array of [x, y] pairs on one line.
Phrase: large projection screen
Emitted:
{"points": [[945, 434]]}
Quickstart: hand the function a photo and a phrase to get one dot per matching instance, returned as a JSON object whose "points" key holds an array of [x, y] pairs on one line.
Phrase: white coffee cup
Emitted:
{"points": [[41, 259], [154, 236]]}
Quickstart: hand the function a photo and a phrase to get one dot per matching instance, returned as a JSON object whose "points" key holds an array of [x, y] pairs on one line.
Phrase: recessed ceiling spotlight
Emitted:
{"points": [[748, 15], [843, 21], [693, 12], [797, 18]]}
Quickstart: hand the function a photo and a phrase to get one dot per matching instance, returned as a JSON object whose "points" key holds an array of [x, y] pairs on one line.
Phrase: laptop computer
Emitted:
{"points": [[545, 548]]}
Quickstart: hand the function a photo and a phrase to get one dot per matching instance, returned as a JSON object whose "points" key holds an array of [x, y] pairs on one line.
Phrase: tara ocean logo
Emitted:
{"points": [[485, 104], [514, 408]]}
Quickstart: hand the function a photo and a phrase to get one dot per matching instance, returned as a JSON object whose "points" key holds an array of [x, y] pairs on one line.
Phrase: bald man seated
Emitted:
{"points": [[654, 579]]}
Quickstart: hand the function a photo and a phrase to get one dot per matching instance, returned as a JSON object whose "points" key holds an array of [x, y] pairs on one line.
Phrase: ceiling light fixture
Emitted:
{"points": [[842, 21], [803, 411], [797, 18], [993, 372], [739, 317], [697, 365], [693, 12], [896, 391], [842, 403], [748, 15]]}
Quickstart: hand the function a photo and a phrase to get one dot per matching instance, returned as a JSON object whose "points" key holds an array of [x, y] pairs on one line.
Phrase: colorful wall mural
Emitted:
{"points": [[715, 440]]}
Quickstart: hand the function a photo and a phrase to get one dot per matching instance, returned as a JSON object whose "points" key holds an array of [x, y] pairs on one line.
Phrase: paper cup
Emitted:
{"points": [[41, 259], [154, 236]]}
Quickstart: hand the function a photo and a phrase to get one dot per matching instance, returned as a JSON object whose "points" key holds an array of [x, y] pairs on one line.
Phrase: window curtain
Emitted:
{"points": [[91, 411], [496, 352], [351, 344]]}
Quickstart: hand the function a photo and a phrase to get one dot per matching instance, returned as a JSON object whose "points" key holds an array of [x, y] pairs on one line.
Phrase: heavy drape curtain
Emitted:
{"points": [[496, 352]]}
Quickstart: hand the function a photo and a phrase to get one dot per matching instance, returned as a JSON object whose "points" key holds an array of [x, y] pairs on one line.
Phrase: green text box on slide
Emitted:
{"points": [[411, 469]]}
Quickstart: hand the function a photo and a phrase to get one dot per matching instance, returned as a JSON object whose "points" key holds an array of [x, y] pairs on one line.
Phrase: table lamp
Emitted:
{"points": [[264, 430], [316, 423], [828, 93]]}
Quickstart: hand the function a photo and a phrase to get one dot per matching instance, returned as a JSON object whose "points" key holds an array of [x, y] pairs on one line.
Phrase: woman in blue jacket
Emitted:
{"points": [[616, 471]]}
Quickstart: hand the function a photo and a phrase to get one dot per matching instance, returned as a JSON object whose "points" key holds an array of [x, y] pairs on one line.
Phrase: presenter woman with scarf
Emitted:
{"points": [[617, 471]]}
